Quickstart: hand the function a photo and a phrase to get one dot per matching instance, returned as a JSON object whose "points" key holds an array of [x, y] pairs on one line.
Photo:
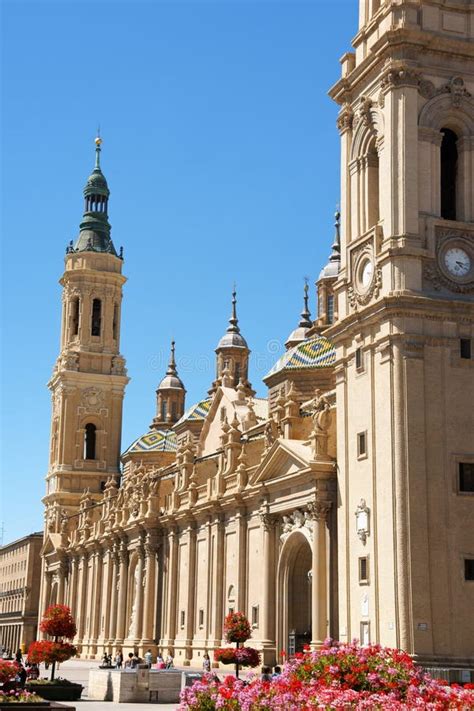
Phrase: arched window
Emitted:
{"points": [[330, 308], [89, 441], [449, 174], [75, 316], [373, 210], [115, 322], [237, 374], [96, 317]]}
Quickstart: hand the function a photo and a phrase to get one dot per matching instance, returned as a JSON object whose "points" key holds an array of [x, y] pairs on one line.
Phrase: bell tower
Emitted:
{"points": [[404, 328], [89, 377]]}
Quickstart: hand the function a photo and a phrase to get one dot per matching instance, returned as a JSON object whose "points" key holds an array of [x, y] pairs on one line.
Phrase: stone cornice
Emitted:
{"points": [[402, 46], [402, 305]]}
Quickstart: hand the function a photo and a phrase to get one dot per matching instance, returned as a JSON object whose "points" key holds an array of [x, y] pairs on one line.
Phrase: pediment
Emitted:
{"points": [[284, 458], [51, 544]]}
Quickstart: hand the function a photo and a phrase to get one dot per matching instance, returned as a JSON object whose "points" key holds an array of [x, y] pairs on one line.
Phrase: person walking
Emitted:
{"points": [[119, 659], [206, 663]]}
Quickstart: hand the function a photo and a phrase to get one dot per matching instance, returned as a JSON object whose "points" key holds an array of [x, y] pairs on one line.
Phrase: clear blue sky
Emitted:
{"points": [[222, 156]]}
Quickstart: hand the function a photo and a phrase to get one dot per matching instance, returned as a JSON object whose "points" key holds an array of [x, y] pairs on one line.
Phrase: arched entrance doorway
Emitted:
{"points": [[294, 592]]}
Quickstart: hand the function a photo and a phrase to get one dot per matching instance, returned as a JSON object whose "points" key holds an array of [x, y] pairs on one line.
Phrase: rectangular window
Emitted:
{"points": [[465, 348], [363, 570], [359, 359], [75, 317], [365, 634], [96, 317], [362, 444], [201, 619], [231, 610], [330, 308], [466, 476], [255, 615], [115, 323], [468, 568], [182, 618]]}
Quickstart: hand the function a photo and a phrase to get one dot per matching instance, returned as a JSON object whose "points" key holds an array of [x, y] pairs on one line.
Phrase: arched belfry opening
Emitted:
{"points": [[295, 588], [373, 198], [449, 174]]}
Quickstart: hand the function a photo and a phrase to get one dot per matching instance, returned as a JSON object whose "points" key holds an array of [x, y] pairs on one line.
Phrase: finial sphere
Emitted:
{"points": [[98, 141]]}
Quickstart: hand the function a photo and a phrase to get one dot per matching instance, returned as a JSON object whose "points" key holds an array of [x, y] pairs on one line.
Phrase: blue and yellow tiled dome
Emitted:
{"points": [[198, 411], [316, 352], [154, 441]]}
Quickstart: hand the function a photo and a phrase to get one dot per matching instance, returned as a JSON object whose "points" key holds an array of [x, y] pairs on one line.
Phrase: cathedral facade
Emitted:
{"points": [[342, 504]]}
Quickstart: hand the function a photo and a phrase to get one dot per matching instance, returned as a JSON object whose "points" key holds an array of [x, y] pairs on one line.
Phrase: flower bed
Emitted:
{"points": [[22, 697], [339, 676]]}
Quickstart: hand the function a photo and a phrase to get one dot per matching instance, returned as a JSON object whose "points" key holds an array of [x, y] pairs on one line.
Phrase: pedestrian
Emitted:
{"points": [[119, 659], [148, 658], [129, 664], [169, 661], [33, 671], [266, 674], [19, 656], [21, 676], [206, 663], [160, 662], [276, 672]]}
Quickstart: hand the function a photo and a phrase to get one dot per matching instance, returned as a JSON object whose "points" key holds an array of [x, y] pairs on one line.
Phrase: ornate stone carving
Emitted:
{"points": [[399, 76], [345, 118], [319, 509], [357, 299], [299, 519], [118, 366], [92, 399], [365, 111], [362, 514], [268, 521]]}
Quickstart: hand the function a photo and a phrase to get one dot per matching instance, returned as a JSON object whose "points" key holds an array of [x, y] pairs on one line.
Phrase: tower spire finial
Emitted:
{"points": [[336, 245], [98, 143], [233, 321], [172, 363], [305, 314]]}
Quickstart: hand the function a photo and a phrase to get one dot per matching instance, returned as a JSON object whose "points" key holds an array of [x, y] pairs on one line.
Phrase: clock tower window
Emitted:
{"points": [[449, 173]]}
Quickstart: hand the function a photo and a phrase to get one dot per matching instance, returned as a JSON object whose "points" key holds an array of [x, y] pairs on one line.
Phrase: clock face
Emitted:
{"points": [[457, 261], [366, 272]]}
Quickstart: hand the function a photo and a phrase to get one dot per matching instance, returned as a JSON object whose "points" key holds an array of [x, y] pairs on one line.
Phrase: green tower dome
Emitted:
{"points": [[94, 235]]}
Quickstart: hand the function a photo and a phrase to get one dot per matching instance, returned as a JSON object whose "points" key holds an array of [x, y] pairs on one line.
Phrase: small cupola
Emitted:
{"points": [[170, 396], [232, 355]]}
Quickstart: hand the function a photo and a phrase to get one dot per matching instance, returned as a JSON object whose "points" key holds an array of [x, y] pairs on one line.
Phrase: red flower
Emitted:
{"points": [[49, 652], [57, 622], [237, 627]]}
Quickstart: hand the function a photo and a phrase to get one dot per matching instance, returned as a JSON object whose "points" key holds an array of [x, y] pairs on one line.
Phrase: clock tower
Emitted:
{"points": [[404, 330]]}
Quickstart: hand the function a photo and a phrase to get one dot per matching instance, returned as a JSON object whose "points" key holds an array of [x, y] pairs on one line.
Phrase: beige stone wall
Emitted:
{"points": [[20, 579], [413, 397]]}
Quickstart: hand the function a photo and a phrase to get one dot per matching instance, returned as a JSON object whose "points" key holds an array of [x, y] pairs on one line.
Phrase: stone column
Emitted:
{"points": [[122, 593], [268, 613], [111, 632], [191, 533], [241, 523], [138, 619], [72, 592], [217, 534], [319, 597], [148, 620], [81, 604], [105, 596], [96, 599], [62, 574], [172, 588]]}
